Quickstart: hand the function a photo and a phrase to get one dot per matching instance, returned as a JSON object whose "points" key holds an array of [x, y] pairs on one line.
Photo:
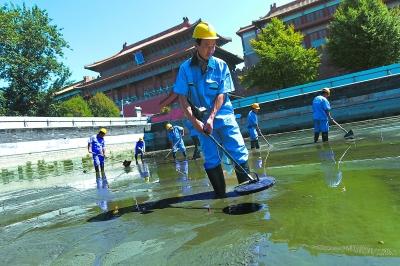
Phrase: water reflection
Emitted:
{"points": [[331, 168], [68, 166], [29, 170], [43, 169], [103, 197], [144, 170], [182, 168]]}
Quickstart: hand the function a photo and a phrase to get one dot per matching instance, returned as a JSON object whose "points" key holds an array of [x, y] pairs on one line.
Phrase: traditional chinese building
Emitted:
{"points": [[143, 74], [310, 17]]}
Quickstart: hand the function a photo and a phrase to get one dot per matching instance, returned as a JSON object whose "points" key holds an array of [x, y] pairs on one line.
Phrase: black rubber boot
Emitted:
{"points": [[196, 154], [240, 175], [174, 155], [324, 136], [316, 136], [257, 144], [217, 179], [252, 144], [184, 155]]}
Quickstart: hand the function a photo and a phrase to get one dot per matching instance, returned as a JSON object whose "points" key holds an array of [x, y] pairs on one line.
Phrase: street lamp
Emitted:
{"points": [[122, 106]]}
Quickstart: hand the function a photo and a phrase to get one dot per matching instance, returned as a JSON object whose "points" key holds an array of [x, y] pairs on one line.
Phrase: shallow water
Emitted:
{"points": [[332, 204]]}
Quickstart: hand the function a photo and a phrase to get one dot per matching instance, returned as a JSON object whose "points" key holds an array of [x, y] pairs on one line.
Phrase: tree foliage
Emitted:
{"points": [[74, 107], [364, 34], [103, 106], [47, 105], [30, 50], [283, 61], [2, 104]]}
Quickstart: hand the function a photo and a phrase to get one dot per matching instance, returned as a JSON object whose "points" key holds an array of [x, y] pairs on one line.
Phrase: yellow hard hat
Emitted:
{"points": [[168, 126], [326, 90], [103, 130], [140, 138], [203, 30], [255, 106]]}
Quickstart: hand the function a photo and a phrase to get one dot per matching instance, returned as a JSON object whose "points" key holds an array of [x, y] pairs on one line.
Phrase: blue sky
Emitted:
{"points": [[96, 29]]}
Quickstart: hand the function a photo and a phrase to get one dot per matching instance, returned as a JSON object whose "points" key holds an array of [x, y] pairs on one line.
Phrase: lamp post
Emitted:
{"points": [[122, 107], [123, 102]]}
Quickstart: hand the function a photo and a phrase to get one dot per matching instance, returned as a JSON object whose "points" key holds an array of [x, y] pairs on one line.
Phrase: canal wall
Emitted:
{"points": [[34, 135], [359, 96]]}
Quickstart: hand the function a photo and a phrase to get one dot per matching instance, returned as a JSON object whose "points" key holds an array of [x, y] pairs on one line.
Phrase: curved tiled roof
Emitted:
{"points": [[288, 8], [277, 11], [135, 69], [234, 58], [169, 33]]}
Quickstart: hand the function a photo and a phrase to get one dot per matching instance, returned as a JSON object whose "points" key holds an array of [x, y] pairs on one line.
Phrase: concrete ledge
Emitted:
{"points": [[14, 122]]}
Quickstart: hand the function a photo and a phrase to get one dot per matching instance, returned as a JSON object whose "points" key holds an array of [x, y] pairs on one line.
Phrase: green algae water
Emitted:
{"points": [[332, 204]]}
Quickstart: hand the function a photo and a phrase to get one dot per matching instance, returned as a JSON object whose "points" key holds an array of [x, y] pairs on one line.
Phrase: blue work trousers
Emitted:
{"points": [[321, 126], [253, 133], [227, 133]]}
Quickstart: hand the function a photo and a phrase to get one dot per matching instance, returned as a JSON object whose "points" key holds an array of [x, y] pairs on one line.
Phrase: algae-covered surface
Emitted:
{"points": [[332, 204]]}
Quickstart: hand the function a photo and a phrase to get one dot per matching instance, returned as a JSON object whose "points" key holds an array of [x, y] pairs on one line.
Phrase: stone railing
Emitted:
{"points": [[12, 122]]}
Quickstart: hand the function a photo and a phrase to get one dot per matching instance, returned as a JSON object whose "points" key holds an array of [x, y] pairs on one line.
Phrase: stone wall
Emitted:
{"points": [[33, 135], [37, 134]]}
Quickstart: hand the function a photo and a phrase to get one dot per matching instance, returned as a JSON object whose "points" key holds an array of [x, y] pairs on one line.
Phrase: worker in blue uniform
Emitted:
{"points": [[321, 114], [252, 126], [175, 134], [139, 149], [204, 82], [194, 134], [96, 146]]}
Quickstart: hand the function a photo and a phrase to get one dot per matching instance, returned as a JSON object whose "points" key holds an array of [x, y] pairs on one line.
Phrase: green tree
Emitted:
{"points": [[74, 107], [2, 104], [102, 106], [283, 61], [364, 34], [30, 50], [47, 105]]}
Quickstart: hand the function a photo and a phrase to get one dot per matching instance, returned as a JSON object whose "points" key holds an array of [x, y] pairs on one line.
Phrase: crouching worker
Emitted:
{"points": [[96, 147], [139, 149], [175, 134], [205, 81]]}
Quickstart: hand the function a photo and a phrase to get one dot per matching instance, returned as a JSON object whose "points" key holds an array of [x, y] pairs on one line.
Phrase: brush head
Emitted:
{"points": [[349, 135], [254, 186]]}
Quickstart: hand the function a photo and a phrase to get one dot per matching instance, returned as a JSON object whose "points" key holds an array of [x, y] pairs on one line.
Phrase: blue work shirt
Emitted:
{"points": [[252, 120], [320, 106], [139, 146], [175, 134], [96, 144], [202, 89], [190, 127]]}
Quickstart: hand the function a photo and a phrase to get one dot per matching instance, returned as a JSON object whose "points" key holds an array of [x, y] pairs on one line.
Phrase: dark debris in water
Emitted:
{"points": [[242, 208]]}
